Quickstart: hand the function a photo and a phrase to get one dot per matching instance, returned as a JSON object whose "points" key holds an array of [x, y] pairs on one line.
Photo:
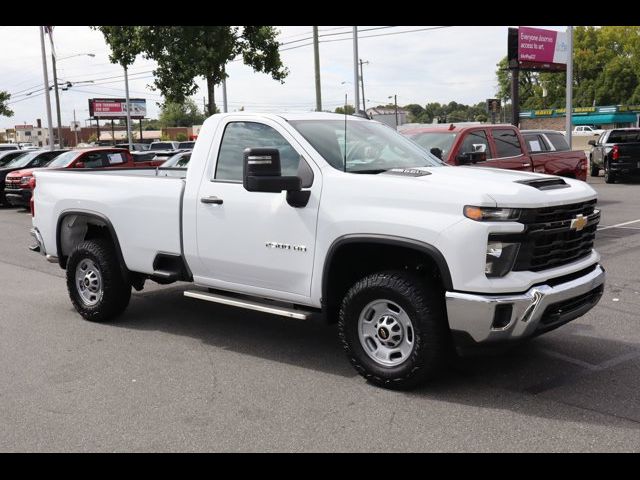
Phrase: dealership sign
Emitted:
{"points": [[117, 107]]}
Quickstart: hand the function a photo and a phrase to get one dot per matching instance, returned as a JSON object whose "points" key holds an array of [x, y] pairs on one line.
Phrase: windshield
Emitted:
{"points": [[186, 144], [64, 160], [22, 160], [624, 136], [433, 140], [370, 146], [161, 146]]}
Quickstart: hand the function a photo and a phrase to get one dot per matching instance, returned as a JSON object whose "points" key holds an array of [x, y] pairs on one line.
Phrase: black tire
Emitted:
{"points": [[609, 177], [424, 303], [116, 291], [595, 170]]}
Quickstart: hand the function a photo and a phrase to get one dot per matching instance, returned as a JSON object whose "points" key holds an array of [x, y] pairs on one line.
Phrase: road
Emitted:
{"points": [[175, 374]]}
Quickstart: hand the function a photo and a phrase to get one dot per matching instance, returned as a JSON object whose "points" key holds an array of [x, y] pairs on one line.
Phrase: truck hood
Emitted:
{"points": [[508, 188]]}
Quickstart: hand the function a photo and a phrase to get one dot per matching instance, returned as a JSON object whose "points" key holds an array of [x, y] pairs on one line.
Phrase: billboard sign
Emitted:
{"points": [[542, 49], [117, 107]]}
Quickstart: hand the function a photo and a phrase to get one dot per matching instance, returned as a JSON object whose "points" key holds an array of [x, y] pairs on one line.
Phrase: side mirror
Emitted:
{"points": [[471, 157], [436, 152], [79, 165], [262, 172], [592, 142]]}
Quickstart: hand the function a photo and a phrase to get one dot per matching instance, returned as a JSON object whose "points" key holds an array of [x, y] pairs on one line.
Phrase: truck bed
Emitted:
{"points": [[143, 206]]}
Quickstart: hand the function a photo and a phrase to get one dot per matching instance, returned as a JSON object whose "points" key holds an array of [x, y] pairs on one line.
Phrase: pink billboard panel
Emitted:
{"points": [[541, 46]]}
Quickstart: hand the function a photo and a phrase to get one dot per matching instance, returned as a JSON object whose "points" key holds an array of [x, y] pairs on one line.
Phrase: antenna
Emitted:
{"points": [[345, 133]]}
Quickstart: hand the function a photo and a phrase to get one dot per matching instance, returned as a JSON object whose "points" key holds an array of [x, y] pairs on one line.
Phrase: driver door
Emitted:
{"points": [[255, 241]]}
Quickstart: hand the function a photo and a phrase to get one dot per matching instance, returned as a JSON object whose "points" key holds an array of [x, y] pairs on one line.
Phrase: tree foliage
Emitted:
{"points": [[4, 108], [183, 114], [350, 110], [606, 71], [445, 113], [185, 53]]}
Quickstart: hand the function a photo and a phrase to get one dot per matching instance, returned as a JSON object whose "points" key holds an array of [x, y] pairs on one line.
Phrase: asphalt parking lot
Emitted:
{"points": [[176, 374]]}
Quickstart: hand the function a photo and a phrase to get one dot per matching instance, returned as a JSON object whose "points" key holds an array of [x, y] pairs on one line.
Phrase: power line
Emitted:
{"points": [[339, 33]]}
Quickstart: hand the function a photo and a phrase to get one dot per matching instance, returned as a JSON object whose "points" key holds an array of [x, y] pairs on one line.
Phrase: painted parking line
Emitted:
{"points": [[619, 225]]}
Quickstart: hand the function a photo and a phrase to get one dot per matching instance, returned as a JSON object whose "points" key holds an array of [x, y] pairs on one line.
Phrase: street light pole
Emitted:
{"points": [[126, 90], [364, 102], [356, 97], [55, 86], [46, 87]]}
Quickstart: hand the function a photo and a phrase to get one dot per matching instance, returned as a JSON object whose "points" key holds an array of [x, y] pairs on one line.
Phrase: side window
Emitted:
{"points": [[507, 143], [41, 160], [475, 141], [240, 135], [115, 158], [534, 143], [93, 160]]}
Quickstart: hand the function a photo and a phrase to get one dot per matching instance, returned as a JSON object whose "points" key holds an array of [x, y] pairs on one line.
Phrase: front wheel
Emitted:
{"points": [[96, 286], [393, 328]]}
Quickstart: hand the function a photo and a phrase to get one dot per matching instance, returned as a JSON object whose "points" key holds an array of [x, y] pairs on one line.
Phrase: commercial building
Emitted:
{"points": [[612, 116]]}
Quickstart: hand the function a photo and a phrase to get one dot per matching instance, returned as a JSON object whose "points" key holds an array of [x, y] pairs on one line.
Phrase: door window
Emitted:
{"points": [[93, 160], [240, 135], [507, 143], [475, 141]]}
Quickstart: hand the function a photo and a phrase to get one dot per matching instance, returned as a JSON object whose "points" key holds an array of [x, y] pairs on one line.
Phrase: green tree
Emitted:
{"points": [[350, 110], [4, 108], [180, 114], [184, 53], [181, 137]]}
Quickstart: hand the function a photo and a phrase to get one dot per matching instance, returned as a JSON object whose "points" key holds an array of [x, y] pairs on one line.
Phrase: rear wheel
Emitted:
{"points": [[595, 170], [95, 282], [609, 176], [393, 328]]}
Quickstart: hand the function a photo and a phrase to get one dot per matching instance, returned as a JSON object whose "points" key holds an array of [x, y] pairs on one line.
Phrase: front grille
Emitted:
{"points": [[548, 240], [12, 182], [562, 310]]}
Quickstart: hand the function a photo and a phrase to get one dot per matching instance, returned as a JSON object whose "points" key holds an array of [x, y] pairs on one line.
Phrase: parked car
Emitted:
{"points": [[8, 146], [29, 159], [573, 163], [281, 214], [499, 146], [617, 152], [7, 155], [179, 160], [19, 185], [585, 130], [136, 147]]}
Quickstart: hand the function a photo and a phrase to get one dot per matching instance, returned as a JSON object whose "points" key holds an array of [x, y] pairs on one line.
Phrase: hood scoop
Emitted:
{"points": [[407, 172], [545, 183]]}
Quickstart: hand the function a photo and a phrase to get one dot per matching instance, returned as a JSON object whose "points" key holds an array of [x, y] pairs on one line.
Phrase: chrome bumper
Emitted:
{"points": [[542, 308]]}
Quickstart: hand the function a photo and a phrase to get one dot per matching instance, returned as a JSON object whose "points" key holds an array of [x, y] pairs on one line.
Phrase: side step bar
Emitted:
{"points": [[249, 304]]}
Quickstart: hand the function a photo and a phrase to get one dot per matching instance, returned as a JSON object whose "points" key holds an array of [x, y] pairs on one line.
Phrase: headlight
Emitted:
{"points": [[491, 214], [500, 258], [25, 180]]}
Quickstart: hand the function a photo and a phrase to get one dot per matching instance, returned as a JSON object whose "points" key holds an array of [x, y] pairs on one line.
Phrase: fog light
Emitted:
{"points": [[500, 258]]}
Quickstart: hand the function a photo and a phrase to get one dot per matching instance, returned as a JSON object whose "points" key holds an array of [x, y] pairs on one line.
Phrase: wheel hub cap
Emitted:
{"points": [[89, 282], [385, 332]]}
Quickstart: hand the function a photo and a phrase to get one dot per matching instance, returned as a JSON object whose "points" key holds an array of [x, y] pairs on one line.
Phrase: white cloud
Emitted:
{"points": [[456, 63]]}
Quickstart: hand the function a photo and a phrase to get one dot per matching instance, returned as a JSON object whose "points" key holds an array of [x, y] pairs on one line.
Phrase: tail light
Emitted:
{"points": [[583, 164], [615, 153]]}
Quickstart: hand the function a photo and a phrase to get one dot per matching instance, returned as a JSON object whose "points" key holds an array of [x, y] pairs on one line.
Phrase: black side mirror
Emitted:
{"points": [[262, 172], [436, 152], [471, 157], [592, 142]]}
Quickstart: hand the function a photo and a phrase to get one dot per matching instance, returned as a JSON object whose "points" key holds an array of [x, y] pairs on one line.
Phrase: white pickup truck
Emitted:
{"points": [[319, 215]]}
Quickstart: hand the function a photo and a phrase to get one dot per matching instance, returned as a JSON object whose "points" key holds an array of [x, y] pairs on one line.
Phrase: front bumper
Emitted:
{"points": [[18, 196], [476, 319]]}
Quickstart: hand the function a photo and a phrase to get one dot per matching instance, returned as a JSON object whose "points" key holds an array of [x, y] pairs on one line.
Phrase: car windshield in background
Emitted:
{"points": [[624, 136], [161, 146], [186, 144], [435, 140], [558, 141], [180, 160], [64, 160], [9, 155], [370, 147], [22, 160]]}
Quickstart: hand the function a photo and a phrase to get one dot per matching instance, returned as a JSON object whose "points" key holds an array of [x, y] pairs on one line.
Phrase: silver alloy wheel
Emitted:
{"points": [[89, 282], [386, 332]]}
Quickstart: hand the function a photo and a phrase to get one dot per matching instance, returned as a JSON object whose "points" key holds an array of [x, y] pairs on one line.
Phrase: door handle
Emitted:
{"points": [[526, 164], [213, 200]]}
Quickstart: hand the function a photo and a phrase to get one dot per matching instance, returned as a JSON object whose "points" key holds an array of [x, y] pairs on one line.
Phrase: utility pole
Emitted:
{"points": [[364, 102], [55, 86], [569, 104], [46, 87], [356, 97], [316, 62], [224, 95], [126, 90], [204, 106]]}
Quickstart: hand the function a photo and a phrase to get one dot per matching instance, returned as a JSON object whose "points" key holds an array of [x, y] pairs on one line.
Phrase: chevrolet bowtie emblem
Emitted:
{"points": [[579, 223]]}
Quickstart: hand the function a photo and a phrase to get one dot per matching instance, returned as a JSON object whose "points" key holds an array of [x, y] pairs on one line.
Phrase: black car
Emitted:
{"points": [[617, 151], [8, 155], [28, 159]]}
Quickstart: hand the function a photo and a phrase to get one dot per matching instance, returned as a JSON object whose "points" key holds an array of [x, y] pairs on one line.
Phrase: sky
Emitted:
{"points": [[434, 64]]}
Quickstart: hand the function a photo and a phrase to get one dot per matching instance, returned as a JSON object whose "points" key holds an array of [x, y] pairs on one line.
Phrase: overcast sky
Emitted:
{"points": [[436, 65]]}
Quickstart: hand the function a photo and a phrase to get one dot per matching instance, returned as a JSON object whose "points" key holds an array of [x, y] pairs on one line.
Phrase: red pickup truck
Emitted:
{"points": [[19, 184], [500, 146]]}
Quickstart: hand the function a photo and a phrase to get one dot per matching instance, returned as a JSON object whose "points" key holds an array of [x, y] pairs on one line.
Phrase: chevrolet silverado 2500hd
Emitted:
{"points": [[294, 215]]}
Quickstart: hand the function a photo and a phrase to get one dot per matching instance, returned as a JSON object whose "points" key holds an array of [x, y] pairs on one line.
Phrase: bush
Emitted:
{"points": [[181, 137]]}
